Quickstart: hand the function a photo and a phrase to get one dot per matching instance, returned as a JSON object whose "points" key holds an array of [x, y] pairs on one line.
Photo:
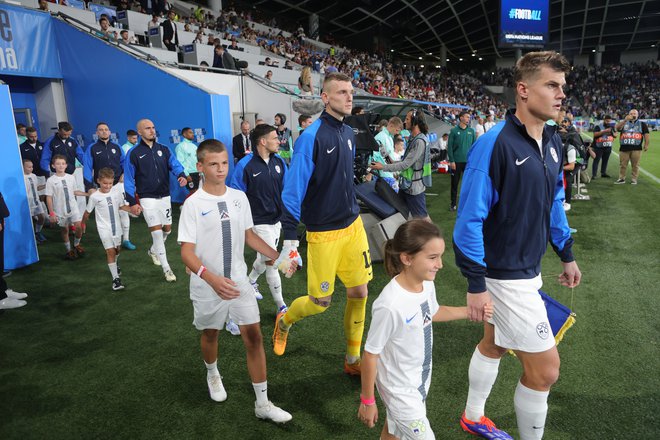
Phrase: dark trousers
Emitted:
{"points": [[3, 283], [455, 180], [568, 185], [601, 153]]}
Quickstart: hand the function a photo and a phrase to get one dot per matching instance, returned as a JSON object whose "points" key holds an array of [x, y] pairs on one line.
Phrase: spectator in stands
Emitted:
{"points": [[234, 45], [43, 5], [223, 59], [304, 121], [270, 62], [305, 82], [211, 39], [199, 38], [241, 144], [126, 39], [634, 137], [479, 128], [170, 32], [187, 27], [461, 138], [602, 146], [269, 75], [203, 66], [105, 31], [357, 110], [489, 122], [153, 23]]}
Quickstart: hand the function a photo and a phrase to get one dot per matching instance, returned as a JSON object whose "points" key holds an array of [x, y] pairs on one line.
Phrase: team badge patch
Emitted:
{"points": [[350, 145], [69, 143], [554, 154], [160, 153], [113, 151], [427, 319], [277, 168], [418, 428], [543, 330], [224, 215], [325, 286], [237, 203]]}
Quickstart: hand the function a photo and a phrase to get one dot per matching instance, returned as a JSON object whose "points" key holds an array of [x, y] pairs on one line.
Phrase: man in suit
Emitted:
{"points": [[241, 143], [223, 59], [170, 34]]}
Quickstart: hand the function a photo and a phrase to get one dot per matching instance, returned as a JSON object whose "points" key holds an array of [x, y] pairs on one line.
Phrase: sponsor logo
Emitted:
{"points": [[142, 156], [543, 330], [325, 286], [204, 213], [553, 153], [255, 175], [98, 152], [537, 427], [237, 203], [69, 143], [520, 162], [113, 151], [160, 153], [358, 322], [409, 320], [331, 150]]}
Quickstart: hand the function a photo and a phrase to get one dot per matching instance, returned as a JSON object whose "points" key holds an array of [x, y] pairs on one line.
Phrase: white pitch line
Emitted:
{"points": [[655, 179]]}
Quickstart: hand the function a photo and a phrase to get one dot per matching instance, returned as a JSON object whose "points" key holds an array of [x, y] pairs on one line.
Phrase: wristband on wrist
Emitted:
{"points": [[367, 402], [201, 270], [52, 214]]}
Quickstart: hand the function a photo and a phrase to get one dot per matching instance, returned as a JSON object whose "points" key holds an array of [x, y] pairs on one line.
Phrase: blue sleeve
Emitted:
{"points": [[297, 179], [175, 166], [129, 180], [122, 157], [88, 168], [45, 157], [560, 234], [478, 196], [79, 152], [237, 180]]}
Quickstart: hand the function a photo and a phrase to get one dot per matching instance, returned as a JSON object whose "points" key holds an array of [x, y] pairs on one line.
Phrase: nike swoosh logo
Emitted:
{"points": [[537, 427], [204, 213], [358, 322], [408, 320], [330, 151], [255, 175], [142, 156], [520, 162], [98, 152]]}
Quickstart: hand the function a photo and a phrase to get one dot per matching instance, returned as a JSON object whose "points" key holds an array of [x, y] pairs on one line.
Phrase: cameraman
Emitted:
{"points": [[634, 134], [603, 141]]}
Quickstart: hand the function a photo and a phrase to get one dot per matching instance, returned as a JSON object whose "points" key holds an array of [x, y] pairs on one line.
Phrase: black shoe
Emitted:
{"points": [[605, 176], [116, 284], [594, 177], [118, 270]]}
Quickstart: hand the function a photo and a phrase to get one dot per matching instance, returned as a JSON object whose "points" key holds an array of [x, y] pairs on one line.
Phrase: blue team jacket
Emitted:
{"points": [[67, 147], [146, 171], [101, 155], [511, 205], [262, 183], [318, 188]]}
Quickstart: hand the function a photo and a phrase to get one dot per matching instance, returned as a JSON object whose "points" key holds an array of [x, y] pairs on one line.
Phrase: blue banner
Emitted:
{"points": [[20, 245], [27, 43]]}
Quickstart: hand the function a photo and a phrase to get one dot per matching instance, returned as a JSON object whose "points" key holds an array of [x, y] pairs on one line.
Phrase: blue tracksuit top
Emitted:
{"points": [[67, 147], [146, 171], [102, 155], [511, 205], [318, 188], [262, 183]]}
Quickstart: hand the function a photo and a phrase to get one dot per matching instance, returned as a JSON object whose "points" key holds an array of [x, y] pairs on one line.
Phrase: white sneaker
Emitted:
{"points": [[216, 389], [15, 295], [169, 276], [11, 303], [154, 257], [567, 206], [233, 328], [271, 412], [257, 294]]}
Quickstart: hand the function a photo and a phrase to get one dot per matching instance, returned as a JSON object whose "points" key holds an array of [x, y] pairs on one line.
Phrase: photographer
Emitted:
{"points": [[634, 134], [603, 141], [415, 166]]}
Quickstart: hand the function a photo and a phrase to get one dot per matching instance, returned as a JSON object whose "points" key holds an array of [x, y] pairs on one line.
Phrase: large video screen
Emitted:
{"points": [[524, 23]]}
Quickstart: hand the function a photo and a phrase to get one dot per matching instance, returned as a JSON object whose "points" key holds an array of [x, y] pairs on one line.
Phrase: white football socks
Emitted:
{"points": [[482, 374], [125, 225], [113, 270], [258, 267], [212, 369], [275, 285], [261, 391], [159, 248], [531, 410]]}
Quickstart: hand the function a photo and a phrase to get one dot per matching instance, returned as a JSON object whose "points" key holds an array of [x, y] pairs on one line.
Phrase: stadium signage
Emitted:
{"points": [[524, 23]]}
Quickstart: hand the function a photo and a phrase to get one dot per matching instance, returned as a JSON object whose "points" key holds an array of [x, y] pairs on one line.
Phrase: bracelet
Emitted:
{"points": [[367, 402], [201, 270], [52, 214]]}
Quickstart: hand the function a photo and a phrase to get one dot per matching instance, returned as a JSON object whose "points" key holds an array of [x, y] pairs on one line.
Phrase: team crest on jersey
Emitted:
{"points": [[543, 330], [237, 203], [224, 215], [278, 169], [427, 319], [325, 286], [160, 153], [40, 147], [418, 427], [69, 143], [554, 154], [350, 145], [113, 151]]}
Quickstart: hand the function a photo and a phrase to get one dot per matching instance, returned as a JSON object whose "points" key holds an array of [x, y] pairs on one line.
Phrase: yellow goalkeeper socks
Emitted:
{"points": [[356, 309], [301, 308]]}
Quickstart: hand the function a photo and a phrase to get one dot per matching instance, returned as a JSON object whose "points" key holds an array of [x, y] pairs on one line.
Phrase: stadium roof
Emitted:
{"points": [[420, 27]]}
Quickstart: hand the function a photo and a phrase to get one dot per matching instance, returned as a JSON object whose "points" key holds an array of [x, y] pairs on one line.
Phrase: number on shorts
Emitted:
{"points": [[168, 213], [367, 259]]}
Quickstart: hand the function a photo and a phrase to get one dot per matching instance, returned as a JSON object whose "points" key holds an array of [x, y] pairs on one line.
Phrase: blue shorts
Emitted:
{"points": [[416, 204]]}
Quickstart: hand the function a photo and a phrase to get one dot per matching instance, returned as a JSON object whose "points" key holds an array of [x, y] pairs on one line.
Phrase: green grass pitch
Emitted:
{"points": [[82, 362]]}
